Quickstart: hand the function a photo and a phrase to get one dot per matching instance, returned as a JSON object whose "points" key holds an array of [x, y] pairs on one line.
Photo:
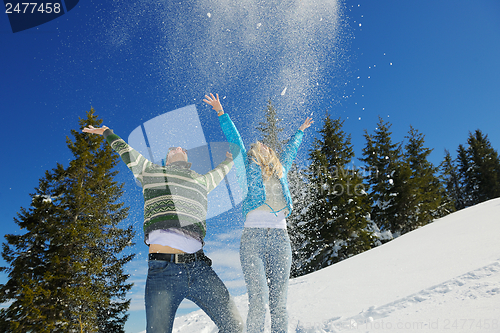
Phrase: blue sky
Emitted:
{"points": [[430, 64]]}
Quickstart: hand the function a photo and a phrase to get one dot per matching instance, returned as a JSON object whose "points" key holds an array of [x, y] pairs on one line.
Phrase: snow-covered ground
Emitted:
{"points": [[444, 277]]}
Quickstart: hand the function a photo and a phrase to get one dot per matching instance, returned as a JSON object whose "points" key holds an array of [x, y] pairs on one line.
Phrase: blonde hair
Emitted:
{"points": [[269, 164]]}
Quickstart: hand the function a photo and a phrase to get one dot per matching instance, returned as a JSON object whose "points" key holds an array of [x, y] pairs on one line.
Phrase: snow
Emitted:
{"points": [[444, 277], [46, 198]]}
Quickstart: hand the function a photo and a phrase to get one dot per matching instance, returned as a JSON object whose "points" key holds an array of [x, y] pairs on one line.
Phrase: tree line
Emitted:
{"points": [[341, 210]]}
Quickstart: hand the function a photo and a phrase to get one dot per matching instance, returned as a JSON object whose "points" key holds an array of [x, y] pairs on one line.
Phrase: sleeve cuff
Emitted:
{"points": [[107, 132]]}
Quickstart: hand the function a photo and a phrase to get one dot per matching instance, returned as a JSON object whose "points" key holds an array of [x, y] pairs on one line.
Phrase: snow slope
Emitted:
{"points": [[444, 277]]}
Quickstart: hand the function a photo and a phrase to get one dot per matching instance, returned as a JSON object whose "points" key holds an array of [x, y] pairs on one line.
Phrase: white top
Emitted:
{"points": [[261, 219], [176, 239]]}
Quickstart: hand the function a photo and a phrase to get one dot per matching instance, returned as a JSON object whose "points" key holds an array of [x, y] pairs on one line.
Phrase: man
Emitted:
{"points": [[175, 209]]}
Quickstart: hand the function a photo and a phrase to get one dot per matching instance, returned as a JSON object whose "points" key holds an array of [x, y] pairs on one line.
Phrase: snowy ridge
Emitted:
{"points": [[483, 282], [444, 277]]}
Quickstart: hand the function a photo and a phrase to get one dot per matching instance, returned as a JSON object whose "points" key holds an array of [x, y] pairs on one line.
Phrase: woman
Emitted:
{"points": [[265, 252]]}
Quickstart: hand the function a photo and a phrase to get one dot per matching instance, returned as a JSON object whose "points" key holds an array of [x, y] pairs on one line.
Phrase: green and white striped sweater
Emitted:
{"points": [[174, 195]]}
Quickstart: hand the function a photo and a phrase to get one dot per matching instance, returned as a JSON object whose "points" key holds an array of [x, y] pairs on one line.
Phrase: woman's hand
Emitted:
{"points": [[93, 130], [215, 103], [307, 123]]}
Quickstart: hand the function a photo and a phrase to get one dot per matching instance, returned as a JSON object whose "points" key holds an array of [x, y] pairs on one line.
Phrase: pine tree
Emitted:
{"points": [[270, 128], [383, 163], [336, 223], [405, 186], [451, 181], [467, 180], [420, 192], [66, 271], [301, 198], [486, 166], [479, 169], [403, 202]]}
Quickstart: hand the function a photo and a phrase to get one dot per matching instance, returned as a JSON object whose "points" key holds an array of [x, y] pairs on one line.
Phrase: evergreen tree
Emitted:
{"points": [[66, 271], [270, 128], [479, 169], [486, 166], [451, 180], [467, 180], [421, 196], [301, 198], [336, 223], [404, 200], [383, 163], [405, 186]]}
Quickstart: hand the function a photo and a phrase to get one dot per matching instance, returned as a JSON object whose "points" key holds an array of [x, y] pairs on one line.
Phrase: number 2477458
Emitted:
{"points": [[32, 8]]}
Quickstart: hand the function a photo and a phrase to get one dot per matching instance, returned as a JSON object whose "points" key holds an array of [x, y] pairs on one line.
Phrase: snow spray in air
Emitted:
{"points": [[249, 50], [273, 49]]}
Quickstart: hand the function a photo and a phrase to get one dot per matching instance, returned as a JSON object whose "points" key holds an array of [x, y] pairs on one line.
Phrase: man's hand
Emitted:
{"points": [[307, 123], [215, 103], [229, 155], [93, 130]]}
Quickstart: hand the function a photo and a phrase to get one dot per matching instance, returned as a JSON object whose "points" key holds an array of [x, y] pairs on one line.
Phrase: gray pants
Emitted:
{"points": [[266, 257]]}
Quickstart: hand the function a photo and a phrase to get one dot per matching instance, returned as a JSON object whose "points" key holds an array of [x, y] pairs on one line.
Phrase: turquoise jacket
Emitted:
{"points": [[250, 174]]}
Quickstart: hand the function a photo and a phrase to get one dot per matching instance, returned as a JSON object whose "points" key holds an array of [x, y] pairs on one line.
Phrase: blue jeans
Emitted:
{"points": [[169, 283], [266, 257]]}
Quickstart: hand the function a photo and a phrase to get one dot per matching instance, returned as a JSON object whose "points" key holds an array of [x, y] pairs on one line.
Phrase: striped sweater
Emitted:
{"points": [[174, 195]]}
